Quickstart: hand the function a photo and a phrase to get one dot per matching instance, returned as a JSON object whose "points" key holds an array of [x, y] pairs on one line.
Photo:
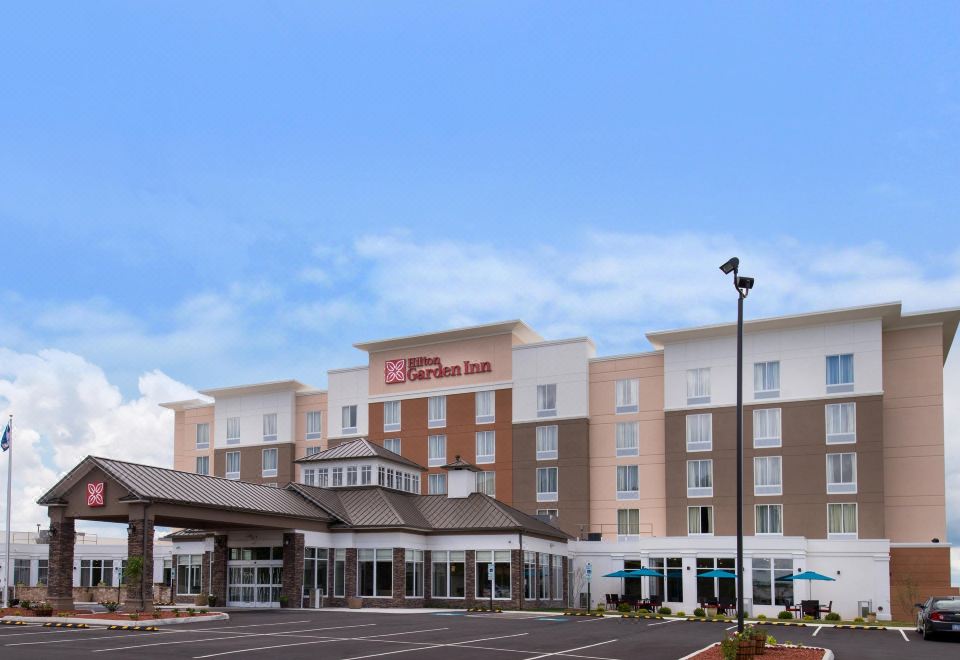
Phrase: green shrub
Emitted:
{"points": [[665, 611], [859, 619], [785, 615], [808, 618], [111, 605], [699, 612], [643, 611], [681, 613], [762, 617], [833, 616], [623, 607]]}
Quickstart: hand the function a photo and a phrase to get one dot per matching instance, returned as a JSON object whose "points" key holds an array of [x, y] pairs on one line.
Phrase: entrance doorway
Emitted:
{"points": [[255, 577]]}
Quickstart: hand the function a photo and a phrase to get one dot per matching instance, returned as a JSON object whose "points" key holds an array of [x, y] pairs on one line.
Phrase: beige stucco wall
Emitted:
{"points": [[603, 459], [185, 437], [913, 434], [309, 403]]}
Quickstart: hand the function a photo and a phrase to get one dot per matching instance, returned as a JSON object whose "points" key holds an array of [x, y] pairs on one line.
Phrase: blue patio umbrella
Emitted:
{"points": [[719, 573], [811, 576], [643, 572], [619, 574]]}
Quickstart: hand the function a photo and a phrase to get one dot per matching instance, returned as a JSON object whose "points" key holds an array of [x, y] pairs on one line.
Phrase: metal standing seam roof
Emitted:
{"points": [[359, 448], [165, 485]]}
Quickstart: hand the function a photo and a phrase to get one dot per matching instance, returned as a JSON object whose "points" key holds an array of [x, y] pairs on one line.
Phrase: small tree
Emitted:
{"points": [[134, 572]]}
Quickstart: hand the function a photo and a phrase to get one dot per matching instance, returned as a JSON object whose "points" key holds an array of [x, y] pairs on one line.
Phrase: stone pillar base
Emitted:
{"points": [[60, 604]]}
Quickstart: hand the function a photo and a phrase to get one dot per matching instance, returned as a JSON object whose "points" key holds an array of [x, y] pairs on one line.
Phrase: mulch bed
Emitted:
{"points": [[109, 616], [770, 653]]}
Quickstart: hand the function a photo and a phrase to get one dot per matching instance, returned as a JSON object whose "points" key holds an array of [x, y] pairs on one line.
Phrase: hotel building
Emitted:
{"points": [[634, 455]]}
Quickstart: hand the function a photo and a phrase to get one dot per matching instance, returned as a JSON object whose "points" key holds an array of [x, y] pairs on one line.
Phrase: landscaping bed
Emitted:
{"points": [[770, 653]]}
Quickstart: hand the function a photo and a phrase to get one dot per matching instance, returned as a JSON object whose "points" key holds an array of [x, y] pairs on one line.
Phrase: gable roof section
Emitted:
{"points": [[155, 484], [480, 512], [359, 448]]}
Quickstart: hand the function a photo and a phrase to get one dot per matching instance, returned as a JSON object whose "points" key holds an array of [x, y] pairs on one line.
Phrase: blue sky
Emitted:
{"points": [[200, 194]]}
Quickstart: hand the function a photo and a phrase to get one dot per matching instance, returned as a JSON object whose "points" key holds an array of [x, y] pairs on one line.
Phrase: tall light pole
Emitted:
{"points": [[743, 286]]}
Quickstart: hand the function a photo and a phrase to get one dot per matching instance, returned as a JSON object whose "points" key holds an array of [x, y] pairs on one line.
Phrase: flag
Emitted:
{"points": [[7, 438]]}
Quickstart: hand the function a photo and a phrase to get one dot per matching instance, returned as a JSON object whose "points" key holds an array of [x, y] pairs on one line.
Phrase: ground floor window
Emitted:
{"points": [[723, 589], [168, 572], [501, 573], [769, 587], [375, 572], [543, 579], [96, 573], [21, 572], [254, 585], [42, 572], [669, 588], [529, 575], [414, 573], [339, 572], [449, 573], [557, 577], [314, 571], [189, 574]]}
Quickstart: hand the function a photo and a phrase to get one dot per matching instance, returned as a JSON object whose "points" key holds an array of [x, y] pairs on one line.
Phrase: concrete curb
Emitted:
{"points": [[827, 653], [201, 618]]}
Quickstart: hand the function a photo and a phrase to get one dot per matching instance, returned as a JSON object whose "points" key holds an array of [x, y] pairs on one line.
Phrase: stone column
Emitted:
{"points": [[427, 577], [350, 574], [60, 560], [470, 577], [399, 596], [218, 581], [516, 578], [140, 544], [293, 554]]}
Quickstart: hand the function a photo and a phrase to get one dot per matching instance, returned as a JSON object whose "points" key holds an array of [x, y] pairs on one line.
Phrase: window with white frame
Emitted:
{"points": [[449, 573], [375, 572], [391, 415], [270, 427], [486, 447], [767, 475], [549, 513], [628, 482], [43, 573], [313, 451], [392, 444], [700, 478], [766, 380], [203, 465], [98, 572], [487, 483], [547, 400], [841, 423], [769, 585], [547, 484], [323, 477], [348, 419], [628, 438], [189, 575], [841, 473], [233, 430], [203, 436], [769, 519], [628, 395], [485, 407], [436, 450], [628, 524], [436, 412], [766, 427], [547, 442], [698, 386], [842, 520], [436, 484], [269, 462], [699, 520], [700, 432], [366, 475], [413, 573], [336, 477], [233, 465], [314, 425], [502, 575], [308, 476], [840, 373]]}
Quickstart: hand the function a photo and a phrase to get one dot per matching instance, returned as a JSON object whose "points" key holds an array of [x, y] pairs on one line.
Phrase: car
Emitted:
{"points": [[938, 614]]}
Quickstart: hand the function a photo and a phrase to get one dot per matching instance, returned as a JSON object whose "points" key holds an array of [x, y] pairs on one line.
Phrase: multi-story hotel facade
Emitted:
{"points": [[634, 455]]}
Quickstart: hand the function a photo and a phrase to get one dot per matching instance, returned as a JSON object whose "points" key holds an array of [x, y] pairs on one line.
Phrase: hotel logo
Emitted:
{"points": [[428, 368], [395, 371]]}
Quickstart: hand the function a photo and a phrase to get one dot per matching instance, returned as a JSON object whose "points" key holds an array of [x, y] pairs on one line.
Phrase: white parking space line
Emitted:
{"points": [[904, 633], [323, 641], [49, 631], [251, 625], [85, 639], [663, 623], [579, 648], [819, 628], [433, 645]]}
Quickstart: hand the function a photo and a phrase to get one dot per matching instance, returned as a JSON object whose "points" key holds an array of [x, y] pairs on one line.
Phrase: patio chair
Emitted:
{"points": [[827, 609], [726, 605], [810, 608]]}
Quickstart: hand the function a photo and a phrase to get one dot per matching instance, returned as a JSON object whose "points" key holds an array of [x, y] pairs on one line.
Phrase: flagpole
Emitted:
{"points": [[6, 563]]}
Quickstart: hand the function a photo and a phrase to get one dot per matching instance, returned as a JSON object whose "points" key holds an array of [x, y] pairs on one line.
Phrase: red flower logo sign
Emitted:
{"points": [[395, 371], [95, 494]]}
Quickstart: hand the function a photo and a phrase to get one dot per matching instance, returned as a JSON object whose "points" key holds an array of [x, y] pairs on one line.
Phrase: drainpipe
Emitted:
{"points": [[523, 567]]}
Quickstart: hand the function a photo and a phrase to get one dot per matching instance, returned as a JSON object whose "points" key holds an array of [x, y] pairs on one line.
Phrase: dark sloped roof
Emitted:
{"points": [[359, 448], [478, 511], [460, 464], [164, 485]]}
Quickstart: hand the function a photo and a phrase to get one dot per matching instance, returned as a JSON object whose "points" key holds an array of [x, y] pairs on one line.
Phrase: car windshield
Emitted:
{"points": [[952, 605]]}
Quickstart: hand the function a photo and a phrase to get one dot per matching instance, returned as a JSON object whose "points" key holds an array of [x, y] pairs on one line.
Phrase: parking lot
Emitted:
{"points": [[346, 635]]}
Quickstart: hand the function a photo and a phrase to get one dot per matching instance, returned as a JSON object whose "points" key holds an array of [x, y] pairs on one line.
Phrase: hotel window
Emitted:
{"points": [[436, 450], [233, 465], [529, 575], [336, 476], [391, 416], [413, 570], [501, 573], [308, 476], [323, 477], [547, 442], [769, 586], [547, 484], [767, 475], [436, 412], [841, 473], [699, 520], [841, 423], [628, 395], [549, 513], [436, 484], [96, 572], [313, 451], [375, 573], [43, 572], [348, 419], [700, 432], [189, 574], [270, 427], [628, 482], [698, 386], [769, 519], [547, 400], [543, 579], [486, 447], [269, 463], [842, 520], [339, 572], [203, 465], [628, 524], [233, 430], [314, 425], [486, 412], [203, 436], [628, 438], [449, 573], [366, 475], [392, 444], [766, 428], [21, 572], [487, 483], [700, 478], [766, 380], [840, 373]]}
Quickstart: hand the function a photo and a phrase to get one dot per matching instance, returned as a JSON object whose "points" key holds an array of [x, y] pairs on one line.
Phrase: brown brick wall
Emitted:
{"points": [[915, 575], [218, 585], [140, 544], [60, 561], [251, 462], [293, 553]]}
